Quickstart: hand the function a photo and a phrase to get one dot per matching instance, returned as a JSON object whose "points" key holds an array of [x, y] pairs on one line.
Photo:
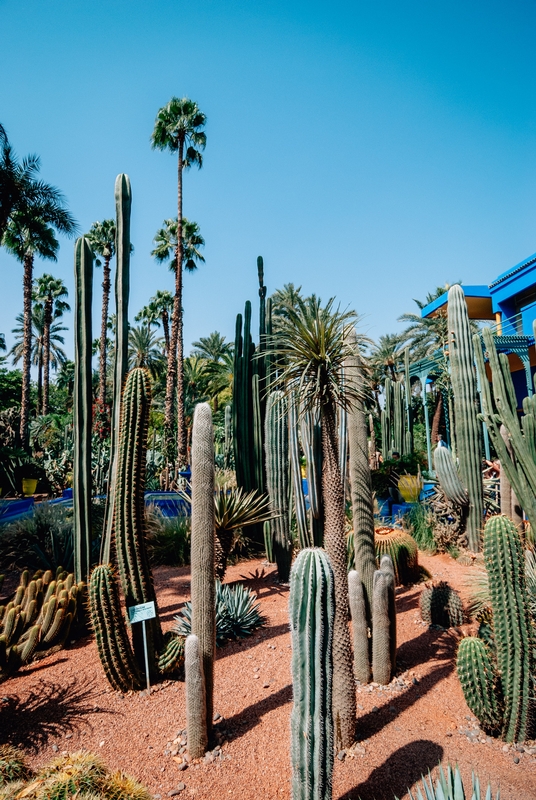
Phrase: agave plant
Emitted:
{"points": [[450, 787], [237, 614]]}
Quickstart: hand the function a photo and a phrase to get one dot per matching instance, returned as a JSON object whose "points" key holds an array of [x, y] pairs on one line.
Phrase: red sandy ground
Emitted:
{"points": [[64, 703]]}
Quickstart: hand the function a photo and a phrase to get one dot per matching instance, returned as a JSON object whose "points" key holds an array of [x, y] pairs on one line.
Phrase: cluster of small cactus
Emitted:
{"points": [[394, 419], [39, 617], [403, 550], [496, 673], [441, 605], [80, 774], [312, 613], [468, 432]]}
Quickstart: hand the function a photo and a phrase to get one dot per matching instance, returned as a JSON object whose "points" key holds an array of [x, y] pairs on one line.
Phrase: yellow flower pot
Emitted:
{"points": [[29, 485], [410, 487]]}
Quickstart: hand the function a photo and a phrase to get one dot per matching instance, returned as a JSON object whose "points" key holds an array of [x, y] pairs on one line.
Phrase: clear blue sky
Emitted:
{"points": [[368, 150]]}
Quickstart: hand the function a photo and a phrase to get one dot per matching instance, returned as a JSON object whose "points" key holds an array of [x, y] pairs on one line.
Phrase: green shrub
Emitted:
{"points": [[42, 540], [168, 539], [419, 522]]}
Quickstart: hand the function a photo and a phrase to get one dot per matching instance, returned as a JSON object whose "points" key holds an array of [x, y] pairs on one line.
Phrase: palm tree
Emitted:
{"points": [[49, 291], [312, 345], [425, 335], [102, 240], [30, 231], [165, 249], [57, 354], [179, 129], [145, 350], [157, 311], [212, 347]]}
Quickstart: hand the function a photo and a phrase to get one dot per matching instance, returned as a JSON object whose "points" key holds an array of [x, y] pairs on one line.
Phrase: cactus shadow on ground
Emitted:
{"points": [[399, 772], [48, 709], [440, 645], [265, 635], [250, 716]]}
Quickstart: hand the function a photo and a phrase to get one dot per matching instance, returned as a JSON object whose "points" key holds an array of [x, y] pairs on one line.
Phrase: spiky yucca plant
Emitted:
{"points": [[449, 786]]}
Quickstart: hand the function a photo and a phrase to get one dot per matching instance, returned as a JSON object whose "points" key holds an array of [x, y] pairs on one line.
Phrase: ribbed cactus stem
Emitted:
{"points": [[123, 205], [387, 566], [82, 409], [381, 627], [512, 629], [304, 538], [228, 436], [196, 708], [360, 481], [448, 477], [111, 635], [479, 682], [202, 549], [312, 612], [358, 611], [509, 502], [277, 469], [129, 509], [461, 355]]}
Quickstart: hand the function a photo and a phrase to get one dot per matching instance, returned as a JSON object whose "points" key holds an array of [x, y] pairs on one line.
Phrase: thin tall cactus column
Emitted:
{"points": [[509, 502], [123, 205], [312, 613], [361, 484], [277, 469], [196, 708], [304, 538], [358, 611], [468, 446], [202, 549], [82, 412]]}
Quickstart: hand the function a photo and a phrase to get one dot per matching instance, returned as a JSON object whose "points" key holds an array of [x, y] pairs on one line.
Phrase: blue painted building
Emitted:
{"points": [[509, 302]]}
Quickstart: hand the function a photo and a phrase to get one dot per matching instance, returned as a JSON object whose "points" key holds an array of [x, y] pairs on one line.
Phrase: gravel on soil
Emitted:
{"points": [[63, 703]]}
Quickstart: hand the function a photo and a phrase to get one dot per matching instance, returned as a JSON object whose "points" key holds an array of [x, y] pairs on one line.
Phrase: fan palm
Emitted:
{"points": [[312, 345], [57, 354], [101, 237], [157, 311], [31, 231], [212, 347], [218, 355], [166, 250], [145, 350], [425, 335], [179, 129], [49, 291]]}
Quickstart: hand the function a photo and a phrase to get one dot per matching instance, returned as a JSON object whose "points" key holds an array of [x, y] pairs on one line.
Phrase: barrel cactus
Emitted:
{"points": [[441, 605], [403, 550]]}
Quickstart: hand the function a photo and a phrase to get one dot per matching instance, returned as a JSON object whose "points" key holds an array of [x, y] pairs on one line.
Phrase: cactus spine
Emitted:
{"points": [[123, 205], [196, 709], [312, 614], [277, 467], [202, 551], [512, 636], [82, 411], [448, 477], [461, 356], [129, 509], [478, 681], [111, 635]]}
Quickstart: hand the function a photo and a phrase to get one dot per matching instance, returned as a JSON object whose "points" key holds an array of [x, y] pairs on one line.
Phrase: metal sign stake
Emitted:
{"points": [[141, 613], [146, 656]]}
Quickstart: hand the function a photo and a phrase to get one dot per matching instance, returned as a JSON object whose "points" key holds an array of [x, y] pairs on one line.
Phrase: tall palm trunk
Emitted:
{"points": [[26, 348], [40, 376], [177, 300], [106, 285], [344, 702], [182, 445], [165, 326], [47, 322]]}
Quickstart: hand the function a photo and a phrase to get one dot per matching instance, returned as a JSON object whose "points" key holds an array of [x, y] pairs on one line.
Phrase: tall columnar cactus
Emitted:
{"points": [[129, 509], [505, 684], [399, 414], [312, 612], [461, 355], [123, 205], [509, 502], [360, 627], [196, 708], [111, 635], [277, 469], [361, 484], [311, 436], [202, 549], [228, 437], [382, 646], [499, 408], [82, 410], [407, 396], [304, 538], [448, 477]]}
